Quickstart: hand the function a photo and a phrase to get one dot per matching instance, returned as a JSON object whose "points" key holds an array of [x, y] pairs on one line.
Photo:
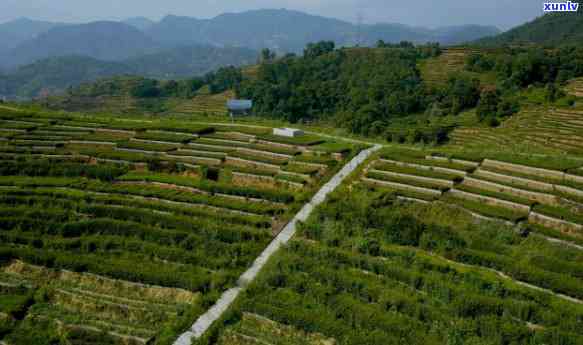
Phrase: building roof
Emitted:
{"points": [[239, 104]]}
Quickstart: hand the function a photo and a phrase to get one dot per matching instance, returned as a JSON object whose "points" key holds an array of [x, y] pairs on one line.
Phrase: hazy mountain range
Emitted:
{"points": [[25, 41], [36, 55], [55, 74]]}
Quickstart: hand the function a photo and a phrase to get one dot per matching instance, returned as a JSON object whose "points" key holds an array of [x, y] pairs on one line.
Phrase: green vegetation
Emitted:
{"points": [[554, 29], [322, 86], [367, 269], [404, 180], [560, 198], [560, 213], [125, 230], [55, 75], [165, 136], [497, 195], [86, 226], [304, 140]]}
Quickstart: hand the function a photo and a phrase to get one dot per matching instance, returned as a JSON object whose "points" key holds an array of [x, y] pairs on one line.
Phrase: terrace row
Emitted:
{"points": [[487, 188]]}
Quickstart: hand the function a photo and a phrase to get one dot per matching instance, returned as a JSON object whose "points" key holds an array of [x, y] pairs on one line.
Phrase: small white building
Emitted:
{"points": [[288, 132]]}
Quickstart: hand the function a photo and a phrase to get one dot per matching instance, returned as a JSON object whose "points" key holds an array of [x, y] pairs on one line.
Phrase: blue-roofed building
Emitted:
{"points": [[239, 106]]}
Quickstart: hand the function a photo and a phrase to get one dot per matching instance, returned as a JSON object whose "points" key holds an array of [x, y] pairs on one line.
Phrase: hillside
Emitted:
{"points": [[15, 32], [99, 40], [399, 93], [140, 23], [419, 244], [575, 87], [475, 240], [451, 35], [55, 75], [189, 61], [95, 204], [553, 29], [135, 194], [189, 98]]}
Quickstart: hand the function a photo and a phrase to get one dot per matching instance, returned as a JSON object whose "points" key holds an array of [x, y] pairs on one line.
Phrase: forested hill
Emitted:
{"points": [[54, 75], [395, 91], [99, 40], [552, 29]]}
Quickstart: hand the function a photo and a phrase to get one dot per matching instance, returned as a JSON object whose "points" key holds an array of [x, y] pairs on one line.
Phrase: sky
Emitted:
{"points": [[429, 13]]}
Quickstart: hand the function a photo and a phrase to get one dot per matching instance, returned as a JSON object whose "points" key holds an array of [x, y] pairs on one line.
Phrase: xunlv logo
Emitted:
{"points": [[561, 6]]}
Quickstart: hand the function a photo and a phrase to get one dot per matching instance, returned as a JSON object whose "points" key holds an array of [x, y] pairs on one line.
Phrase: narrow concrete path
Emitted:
{"points": [[216, 311]]}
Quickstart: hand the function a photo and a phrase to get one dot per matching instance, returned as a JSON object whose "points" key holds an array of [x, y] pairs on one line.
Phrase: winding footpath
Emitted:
{"points": [[216, 311]]}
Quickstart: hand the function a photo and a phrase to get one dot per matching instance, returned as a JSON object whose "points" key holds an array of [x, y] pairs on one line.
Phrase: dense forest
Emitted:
{"points": [[146, 88], [364, 90], [362, 87]]}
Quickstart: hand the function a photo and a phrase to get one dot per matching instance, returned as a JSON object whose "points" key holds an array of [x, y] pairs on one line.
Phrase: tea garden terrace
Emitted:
{"points": [[127, 230], [428, 247]]}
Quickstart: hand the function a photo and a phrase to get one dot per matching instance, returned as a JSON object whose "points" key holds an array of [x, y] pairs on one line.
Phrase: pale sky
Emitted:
{"points": [[431, 13]]}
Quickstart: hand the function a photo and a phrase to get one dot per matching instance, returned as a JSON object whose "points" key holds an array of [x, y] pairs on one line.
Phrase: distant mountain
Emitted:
{"points": [[140, 23], [175, 30], [20, 30], [286, 31], [57, 73], [39, 55], [100, 40], [553, 29], [464, 33], [24, 41], [393, 33], [187, 61], [282, 30]]}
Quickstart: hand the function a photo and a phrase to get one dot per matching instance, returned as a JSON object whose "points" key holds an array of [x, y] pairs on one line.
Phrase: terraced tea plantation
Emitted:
{"points": [[435, 71], [558, 129], [204, 105], [575, 87], [532, 192], [124, 231], [255, 329], [423, 248]]}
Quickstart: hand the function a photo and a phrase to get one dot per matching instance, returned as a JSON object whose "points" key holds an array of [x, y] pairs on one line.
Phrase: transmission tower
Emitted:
{"points": [[359, 20]]}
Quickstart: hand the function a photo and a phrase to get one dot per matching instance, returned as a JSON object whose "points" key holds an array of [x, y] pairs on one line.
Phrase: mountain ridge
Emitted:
{"points": [[281, 30], [105, 40], [551, 29], [55, 74]]}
